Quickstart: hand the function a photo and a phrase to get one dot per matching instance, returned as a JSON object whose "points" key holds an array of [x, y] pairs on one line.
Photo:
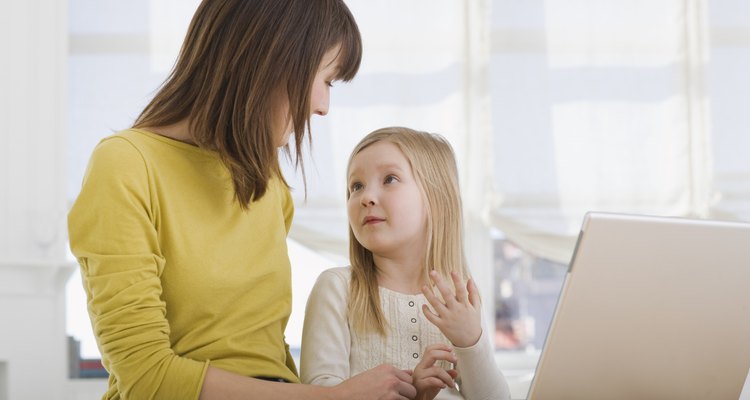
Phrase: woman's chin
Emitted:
{"points": [[284, 140]]}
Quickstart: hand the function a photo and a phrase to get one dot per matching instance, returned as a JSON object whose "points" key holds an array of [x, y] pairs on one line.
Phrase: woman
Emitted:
{"points": [[180, 227]]}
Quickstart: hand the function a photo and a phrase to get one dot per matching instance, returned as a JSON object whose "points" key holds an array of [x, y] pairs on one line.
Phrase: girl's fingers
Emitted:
{"points": [[438, 346], [441, 374], [432, 382], [445, 291], [436, 304], [431, 316], [473, 294], [431, 356], [461, 291]]}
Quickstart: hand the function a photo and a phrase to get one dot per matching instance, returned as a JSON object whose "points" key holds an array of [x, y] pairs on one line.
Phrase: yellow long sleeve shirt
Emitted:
{"points": [[176, 273]]}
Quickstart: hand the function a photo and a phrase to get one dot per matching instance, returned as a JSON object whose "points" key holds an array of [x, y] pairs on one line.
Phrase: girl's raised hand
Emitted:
{"points": [[459, 318], [429, 378]]}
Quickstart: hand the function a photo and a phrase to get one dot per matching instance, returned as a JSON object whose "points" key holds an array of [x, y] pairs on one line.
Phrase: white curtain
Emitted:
{"points": [[597, 105], [729, 85]]}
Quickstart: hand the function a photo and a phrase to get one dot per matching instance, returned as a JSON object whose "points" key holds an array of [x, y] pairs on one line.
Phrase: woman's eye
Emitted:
{"points": [[329, 83]]}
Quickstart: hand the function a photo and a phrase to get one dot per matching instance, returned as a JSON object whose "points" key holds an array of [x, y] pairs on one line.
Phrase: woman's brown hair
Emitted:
{"points": [[238, 60]]}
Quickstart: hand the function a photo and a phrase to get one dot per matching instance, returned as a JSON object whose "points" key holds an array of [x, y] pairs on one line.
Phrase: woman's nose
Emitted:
{"points": [[320, 101], [321, 110]]}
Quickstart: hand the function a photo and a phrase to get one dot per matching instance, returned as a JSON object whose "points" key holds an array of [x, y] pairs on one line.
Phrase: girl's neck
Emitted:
{"points": [[405, 277]]}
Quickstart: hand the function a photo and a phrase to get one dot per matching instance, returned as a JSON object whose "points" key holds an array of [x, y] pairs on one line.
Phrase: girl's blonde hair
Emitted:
{"points": [[434, 167], [239, 61]]}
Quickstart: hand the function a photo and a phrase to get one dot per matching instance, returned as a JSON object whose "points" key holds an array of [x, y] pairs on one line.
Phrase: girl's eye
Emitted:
{"points": [[390, 179], [355, 186]]}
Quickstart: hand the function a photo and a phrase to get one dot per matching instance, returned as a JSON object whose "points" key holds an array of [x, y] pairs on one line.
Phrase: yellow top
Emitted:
{"points": [[177, 274]]}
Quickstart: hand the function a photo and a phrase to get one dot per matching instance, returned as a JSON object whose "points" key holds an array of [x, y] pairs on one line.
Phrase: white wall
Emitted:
{"points": [[33, 271]]}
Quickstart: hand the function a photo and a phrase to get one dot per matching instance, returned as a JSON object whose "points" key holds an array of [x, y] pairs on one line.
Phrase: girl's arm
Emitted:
{"points": [[458, 316], [478, 373], [326, 341]]}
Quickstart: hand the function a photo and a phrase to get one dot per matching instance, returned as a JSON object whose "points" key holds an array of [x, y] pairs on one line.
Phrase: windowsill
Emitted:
{"points": [[88, 388], [518, 368]]}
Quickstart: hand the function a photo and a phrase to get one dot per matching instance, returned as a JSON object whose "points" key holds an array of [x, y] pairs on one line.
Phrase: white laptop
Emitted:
{"points": [[651, 308]]}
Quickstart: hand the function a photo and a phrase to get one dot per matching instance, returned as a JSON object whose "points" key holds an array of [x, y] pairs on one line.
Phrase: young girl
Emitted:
{"points": [[405, 232], [180, 226]]}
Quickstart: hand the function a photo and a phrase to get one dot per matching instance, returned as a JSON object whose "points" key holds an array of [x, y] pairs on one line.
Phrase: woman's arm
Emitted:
{"points": [[382, 383], [113, 236]]}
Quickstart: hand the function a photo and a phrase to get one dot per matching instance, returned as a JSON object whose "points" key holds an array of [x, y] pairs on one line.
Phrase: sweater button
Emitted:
{"points": [[411, 304], [414, 338], [415, 355], [414, 320]]}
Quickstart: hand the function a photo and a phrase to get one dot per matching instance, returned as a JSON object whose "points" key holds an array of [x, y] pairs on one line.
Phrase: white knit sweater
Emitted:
{"points": [[331, 352]]}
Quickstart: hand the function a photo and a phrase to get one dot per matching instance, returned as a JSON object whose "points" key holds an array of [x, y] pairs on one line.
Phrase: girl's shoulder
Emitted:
{"points": [[339, 276], [331, 287]]}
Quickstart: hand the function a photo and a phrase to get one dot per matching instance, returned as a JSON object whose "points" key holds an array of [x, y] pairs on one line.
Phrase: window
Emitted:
{"points": [[526, 292]]}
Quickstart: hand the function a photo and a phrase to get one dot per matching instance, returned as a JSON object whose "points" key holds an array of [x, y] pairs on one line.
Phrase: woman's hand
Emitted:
{"points": [[384, 382], [459, 318], [430, 379]]}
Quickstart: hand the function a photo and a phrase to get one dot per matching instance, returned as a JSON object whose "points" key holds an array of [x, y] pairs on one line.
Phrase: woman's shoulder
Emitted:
{"points": [[138, 148], [118, 143], [117, 154], [145, 141], [120, 146]]}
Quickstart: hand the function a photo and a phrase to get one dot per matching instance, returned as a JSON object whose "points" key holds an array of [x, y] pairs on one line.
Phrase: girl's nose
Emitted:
{"points": [[368, 199]]}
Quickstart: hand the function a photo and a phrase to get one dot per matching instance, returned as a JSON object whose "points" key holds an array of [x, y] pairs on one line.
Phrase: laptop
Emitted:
{"points": [[651, 308]]}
